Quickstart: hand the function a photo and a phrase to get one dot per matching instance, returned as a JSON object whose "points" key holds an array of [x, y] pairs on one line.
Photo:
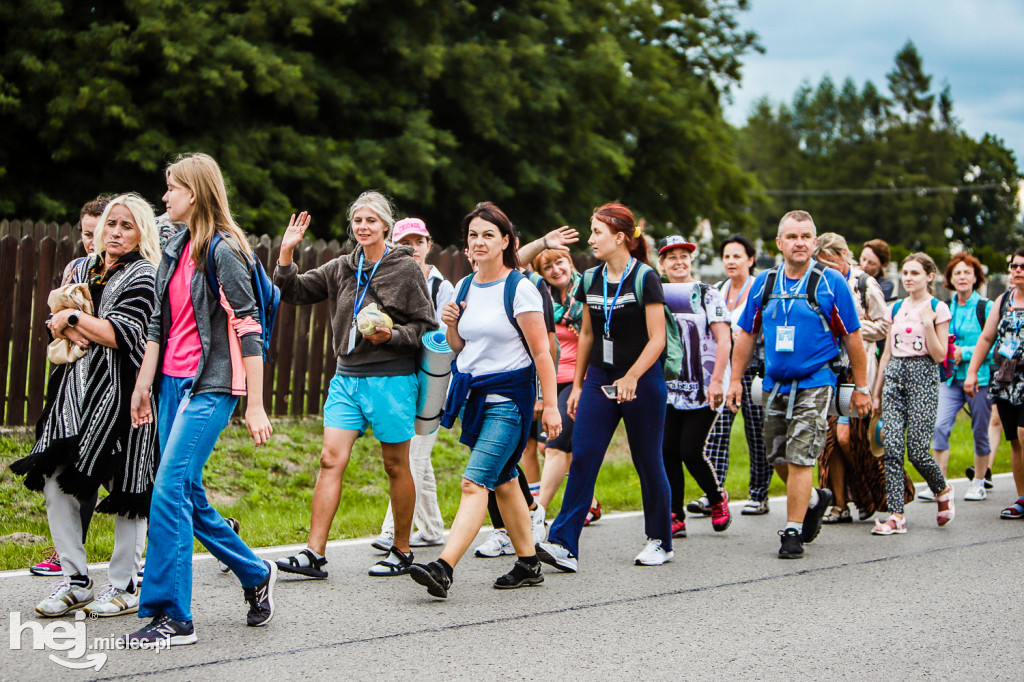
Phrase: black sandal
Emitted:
{"points": [[314, 570], [395, 563]]}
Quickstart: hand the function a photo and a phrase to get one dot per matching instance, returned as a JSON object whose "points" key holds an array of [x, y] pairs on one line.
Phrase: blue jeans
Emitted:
{"points": [[597, 417], [496, 452], [189, 427]]}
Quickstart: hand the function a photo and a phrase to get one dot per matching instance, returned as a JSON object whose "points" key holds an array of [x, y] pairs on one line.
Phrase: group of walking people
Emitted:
{"points": [[552, 358]]}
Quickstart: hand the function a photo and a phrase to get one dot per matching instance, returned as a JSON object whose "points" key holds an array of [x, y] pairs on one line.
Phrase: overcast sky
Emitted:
{"points": [[977, 47]]}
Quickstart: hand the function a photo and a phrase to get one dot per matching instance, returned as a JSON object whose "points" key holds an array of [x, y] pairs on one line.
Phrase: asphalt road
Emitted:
{"points": [[936, 603]]}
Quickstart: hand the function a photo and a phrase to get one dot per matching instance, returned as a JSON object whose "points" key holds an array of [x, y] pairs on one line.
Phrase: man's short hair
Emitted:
{"points": [[798, 216]]}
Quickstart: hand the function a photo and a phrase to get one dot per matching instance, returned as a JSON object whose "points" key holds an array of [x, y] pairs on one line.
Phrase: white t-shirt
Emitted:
{"points": [[699, 351], [445, 293], [492, 343]]}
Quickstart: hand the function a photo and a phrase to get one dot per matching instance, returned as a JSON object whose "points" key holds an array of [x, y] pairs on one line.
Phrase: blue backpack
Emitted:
{"points": [[266, 293], [514, 277]]}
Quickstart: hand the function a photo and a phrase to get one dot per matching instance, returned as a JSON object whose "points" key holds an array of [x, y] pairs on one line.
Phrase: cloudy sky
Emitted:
{"points": [[977, 47]]}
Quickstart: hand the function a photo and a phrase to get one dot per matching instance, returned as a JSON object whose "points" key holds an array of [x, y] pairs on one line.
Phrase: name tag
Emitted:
{"points": [[1008, 348], [351, 337], [785, 338], [606, 351]]}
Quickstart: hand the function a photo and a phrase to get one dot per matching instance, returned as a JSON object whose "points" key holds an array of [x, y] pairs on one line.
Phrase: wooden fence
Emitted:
{"points": [[33, 256]]}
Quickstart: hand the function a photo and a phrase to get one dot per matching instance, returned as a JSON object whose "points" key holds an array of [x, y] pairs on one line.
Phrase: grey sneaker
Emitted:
{"points": [[418, 539], [67, 595], [162, 632], [555, 555], [384, 541], [113, 601]]}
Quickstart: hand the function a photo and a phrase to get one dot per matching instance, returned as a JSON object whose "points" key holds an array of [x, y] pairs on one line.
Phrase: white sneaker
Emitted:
{"points": [[976, 490], [66, 596], [926, 495], [384, 542], [113, 601], [538, 525], [418, 539], [653, 554], [496, 544], [555, 555]]}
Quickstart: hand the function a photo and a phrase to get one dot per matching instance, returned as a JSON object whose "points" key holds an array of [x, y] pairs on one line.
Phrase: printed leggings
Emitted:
{"points": [[910, 401]]}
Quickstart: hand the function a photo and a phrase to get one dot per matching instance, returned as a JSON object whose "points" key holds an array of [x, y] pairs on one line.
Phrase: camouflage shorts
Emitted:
{"points": [[799, 440]]}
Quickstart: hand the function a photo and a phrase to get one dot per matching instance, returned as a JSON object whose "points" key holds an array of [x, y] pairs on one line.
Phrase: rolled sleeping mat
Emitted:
{"points": [[433, 379], [756, 393], [682, 298]]}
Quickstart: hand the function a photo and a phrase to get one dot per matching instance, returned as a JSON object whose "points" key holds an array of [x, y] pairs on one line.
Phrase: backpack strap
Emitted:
{"points": [[638, 282], [511, 283], [435, 286], [587, 281], [769, 287], [460, 296], [979, 310], [862, 285], [211, 264]]}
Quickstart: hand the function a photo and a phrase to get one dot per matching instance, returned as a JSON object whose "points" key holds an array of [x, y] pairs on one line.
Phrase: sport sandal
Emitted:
{"points": [[893, 525], [395, 563], [304, 563], [946, 510]]}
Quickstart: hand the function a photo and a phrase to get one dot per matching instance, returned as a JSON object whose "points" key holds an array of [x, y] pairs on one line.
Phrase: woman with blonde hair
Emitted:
{"points": [[204, 351], [85, 435]]}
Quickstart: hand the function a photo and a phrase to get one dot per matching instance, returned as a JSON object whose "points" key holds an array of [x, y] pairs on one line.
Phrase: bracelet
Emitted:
{"points": [[545, 242]]}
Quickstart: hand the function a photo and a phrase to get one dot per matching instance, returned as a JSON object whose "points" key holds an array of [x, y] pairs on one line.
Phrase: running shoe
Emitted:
{"points": [[162, 632], [720, 515], [236, 526], [792, 544], [50, 565], [814, 515], [67, 595], [113, 601], [261, 598], [678, 527], [496, 544], [653, 555], [555, 555]]}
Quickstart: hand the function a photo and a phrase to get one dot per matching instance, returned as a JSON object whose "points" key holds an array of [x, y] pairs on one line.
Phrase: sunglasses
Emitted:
{"points": [[1017, 266]]}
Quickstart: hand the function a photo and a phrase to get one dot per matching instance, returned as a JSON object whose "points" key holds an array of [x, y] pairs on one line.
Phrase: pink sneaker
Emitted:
{"points": [[720, 515], [678, 527], [50, 565]]}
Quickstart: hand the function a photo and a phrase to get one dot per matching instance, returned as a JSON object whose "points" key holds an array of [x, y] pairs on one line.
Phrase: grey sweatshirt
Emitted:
{"points": [[398, 288]]}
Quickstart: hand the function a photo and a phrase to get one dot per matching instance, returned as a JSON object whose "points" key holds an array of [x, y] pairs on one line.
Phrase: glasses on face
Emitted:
{"points": [[1017, 266]]}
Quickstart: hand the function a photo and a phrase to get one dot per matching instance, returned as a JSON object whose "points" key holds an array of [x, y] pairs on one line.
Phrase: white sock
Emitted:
{"points": [[814, 499], [535, 489], [303, 558], [799, 527]]}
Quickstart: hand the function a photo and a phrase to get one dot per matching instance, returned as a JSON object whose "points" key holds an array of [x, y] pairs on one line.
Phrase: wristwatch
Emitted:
{"points": [[862, 389], [72, 319]]}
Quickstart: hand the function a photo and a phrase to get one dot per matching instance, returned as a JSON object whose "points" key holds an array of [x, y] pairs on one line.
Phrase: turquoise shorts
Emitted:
{"points": [[388, 404]]}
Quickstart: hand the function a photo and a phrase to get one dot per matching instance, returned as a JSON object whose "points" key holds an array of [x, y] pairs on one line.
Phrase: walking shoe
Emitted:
{"points": [[720, 515], [988, 477], [162, 632], [50, 565], [522, 574], [434, 577], [755, 508], [926, 495], [384, 542], [678, 527], [814, 515], [700, 506], [975, 491], [395, 563], [947, 509], [593, 515], [113, 601], [838, 515], [261, 599], [653, 555], [236, 526], [792, 544], [496, 544], [67, 595], [304, 563], [418, 539], [893, 525], [555, 555], [538, 525]]}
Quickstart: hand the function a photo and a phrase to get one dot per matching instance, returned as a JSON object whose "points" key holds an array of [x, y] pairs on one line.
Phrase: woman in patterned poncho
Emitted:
{"points": [[85, 436]]}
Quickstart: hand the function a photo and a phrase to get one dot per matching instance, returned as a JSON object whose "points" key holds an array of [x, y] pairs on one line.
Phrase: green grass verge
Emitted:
{"points": [[271, 488]]}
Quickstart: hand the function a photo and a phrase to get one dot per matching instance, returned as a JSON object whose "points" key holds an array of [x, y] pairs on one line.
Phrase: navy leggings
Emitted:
{"points": [[596, 420]]}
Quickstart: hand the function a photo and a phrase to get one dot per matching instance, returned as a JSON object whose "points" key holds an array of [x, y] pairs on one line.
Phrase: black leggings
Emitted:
{"points": [[492, 500], [686, 432]]}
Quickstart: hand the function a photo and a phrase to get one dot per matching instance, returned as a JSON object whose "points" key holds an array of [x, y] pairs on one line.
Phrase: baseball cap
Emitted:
{"points": [[407, 226], [674, 241]]}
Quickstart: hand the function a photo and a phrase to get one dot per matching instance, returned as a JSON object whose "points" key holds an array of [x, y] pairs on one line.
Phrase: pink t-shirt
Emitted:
{"points": [[567, 342], [906, 337], [184, 349]]}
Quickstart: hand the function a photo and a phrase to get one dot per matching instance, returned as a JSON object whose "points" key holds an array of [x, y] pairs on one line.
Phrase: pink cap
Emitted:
{"points": [[407, 226]]}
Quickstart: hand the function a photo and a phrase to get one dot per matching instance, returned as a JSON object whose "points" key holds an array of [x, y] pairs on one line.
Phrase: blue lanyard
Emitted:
{"points": [[604, 284], [359, 277], [746, 285], [801, 283]]}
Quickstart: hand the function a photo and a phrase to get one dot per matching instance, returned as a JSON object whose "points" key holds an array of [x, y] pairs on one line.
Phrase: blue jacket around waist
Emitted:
{"points": [[519, 386]]}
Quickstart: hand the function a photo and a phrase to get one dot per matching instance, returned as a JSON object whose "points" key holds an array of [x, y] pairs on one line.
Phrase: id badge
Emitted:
{"points": [[785, 337], [606, 351], [352, 337], [1008, 348]]}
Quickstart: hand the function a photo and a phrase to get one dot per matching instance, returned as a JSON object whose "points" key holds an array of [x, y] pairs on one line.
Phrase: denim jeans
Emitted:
{"points": [[496, 453], [189, 427]]}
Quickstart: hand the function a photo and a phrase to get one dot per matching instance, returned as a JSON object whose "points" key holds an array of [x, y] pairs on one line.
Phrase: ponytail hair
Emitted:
{"points": [[619, 218]]}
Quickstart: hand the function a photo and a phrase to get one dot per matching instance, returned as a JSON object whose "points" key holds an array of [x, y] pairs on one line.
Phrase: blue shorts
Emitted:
{"points": [[388, 404], [493, 460]]}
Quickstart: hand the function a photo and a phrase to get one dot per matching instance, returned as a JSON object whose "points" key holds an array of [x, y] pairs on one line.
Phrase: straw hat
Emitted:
{"points": [[875, 427]]}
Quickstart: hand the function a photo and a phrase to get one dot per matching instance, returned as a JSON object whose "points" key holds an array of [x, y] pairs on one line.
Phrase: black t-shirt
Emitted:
{"points": [[628, 328]]}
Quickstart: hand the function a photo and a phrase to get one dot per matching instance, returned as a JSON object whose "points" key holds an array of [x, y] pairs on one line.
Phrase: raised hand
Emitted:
{"points": [[560, 238], [294, 233]]}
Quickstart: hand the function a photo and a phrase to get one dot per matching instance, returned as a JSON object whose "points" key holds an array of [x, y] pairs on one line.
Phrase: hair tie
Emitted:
{"points": [[636, 232]]}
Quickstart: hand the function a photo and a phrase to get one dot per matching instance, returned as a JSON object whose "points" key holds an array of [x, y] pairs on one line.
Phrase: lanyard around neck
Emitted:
{"points": [[728, 289], [790, 298], [609, 310], [359, 276]]}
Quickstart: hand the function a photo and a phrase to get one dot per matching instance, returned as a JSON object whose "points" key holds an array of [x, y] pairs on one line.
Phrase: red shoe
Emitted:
{"points": [[720, 515], [678, 527], [593, 515]]}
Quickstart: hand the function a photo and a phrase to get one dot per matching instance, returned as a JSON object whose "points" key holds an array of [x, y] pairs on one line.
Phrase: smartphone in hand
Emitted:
{"points": [[610, 391]]}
